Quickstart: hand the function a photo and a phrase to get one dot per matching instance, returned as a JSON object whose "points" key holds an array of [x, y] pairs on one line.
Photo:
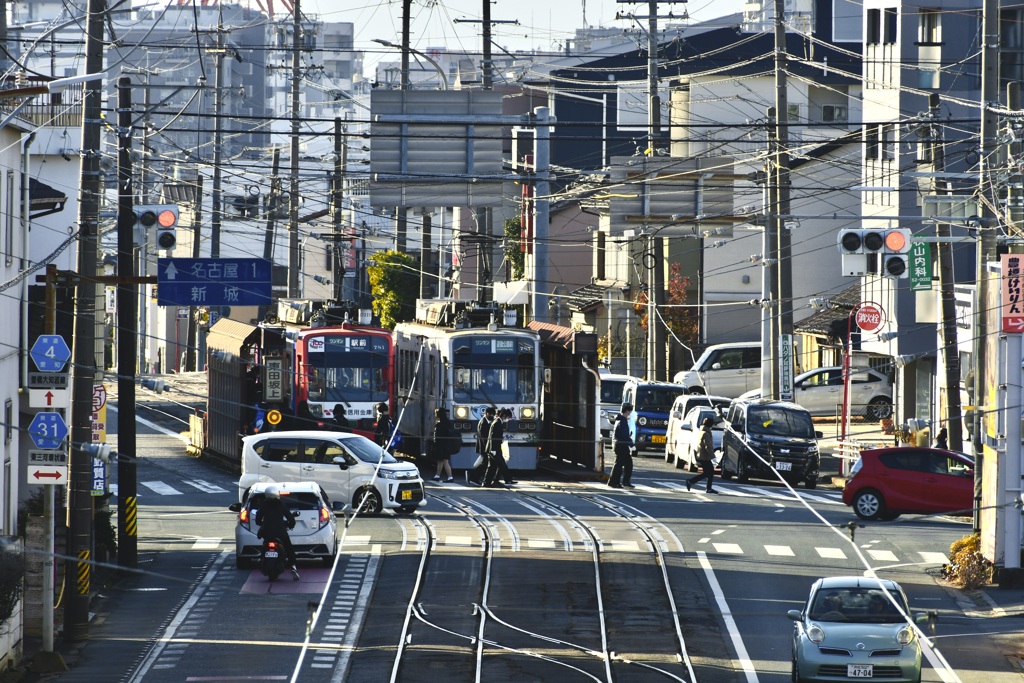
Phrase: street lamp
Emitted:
{"points": [[440, 71]]}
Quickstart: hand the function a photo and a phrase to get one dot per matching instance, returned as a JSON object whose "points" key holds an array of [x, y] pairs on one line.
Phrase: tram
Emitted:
{"points": [[463, 361], [292, 371]]}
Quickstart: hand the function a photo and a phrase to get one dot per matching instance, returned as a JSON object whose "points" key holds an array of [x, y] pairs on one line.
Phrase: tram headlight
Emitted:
{"points": [[527, 413], [642, 421], [315, 409], [462, 412]]}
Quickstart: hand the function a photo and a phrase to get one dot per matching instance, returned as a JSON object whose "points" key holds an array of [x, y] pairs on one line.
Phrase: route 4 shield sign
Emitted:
{"points": [[50, 353]]}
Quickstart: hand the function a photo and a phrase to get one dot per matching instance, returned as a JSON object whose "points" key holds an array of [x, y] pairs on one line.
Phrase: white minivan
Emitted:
{"points": [[344, 464], [724, 370]]}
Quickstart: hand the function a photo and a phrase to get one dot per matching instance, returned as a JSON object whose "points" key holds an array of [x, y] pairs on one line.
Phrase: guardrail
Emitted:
{"points": [[847, 451]]}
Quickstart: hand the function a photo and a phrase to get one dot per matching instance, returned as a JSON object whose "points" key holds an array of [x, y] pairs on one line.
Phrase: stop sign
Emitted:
{"points": [[870, 317]]}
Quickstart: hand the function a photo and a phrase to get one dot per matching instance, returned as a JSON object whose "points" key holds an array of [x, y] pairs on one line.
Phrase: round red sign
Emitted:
{"points": [[870, 318]]}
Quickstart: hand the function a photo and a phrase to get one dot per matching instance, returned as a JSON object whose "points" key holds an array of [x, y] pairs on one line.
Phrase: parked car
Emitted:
{"points": [[652, 402], [887, 482], [680, 408], [344, 464], [855, 627], [611, 400], [685, 438], [315, 533], [821, 392], [768, 439], [724, 370]]}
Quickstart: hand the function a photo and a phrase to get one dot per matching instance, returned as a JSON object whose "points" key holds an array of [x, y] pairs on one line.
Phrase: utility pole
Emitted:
{"points": [[984, 347], [541, 208], [338, 198], [273, 202], [192, 332], [951, 351], [127, 333], [784, 270], [293, 205], [771, 260], [78, 583], [218, 138], [656, 337]]}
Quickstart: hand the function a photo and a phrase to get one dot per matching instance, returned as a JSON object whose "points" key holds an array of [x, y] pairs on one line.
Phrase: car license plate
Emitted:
{"points": [[406, 495], [859, 671], [785, 467], [270, 553], [657, 439]]}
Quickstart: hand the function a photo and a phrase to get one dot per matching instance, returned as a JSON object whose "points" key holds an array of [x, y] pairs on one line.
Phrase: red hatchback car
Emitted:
{"points": [[887, 482]]}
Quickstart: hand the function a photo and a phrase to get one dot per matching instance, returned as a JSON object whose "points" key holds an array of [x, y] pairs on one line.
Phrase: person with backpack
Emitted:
{"points": [[443, 445], [382, 435], [483, 431]]}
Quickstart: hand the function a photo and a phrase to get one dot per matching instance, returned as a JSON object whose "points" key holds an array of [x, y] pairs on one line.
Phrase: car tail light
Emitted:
{"points": [[243, 517], [325, 516], [905, 636]]}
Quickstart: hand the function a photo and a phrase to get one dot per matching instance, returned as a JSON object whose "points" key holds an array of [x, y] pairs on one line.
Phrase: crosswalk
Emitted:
{"points": [[825, 553], [161, 488]]}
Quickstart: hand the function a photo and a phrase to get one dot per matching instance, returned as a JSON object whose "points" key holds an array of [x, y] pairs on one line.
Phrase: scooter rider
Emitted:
{"points": [[274, 520]]}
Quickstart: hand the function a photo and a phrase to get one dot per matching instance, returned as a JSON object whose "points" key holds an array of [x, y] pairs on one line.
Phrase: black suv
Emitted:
{"points": [[765, 438]]}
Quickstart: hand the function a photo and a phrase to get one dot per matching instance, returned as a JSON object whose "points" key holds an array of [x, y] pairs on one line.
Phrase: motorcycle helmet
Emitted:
{"points": [[272, 492]]}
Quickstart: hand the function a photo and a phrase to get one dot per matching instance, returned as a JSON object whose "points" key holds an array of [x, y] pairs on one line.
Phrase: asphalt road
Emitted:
{"points": [[554, 580]]}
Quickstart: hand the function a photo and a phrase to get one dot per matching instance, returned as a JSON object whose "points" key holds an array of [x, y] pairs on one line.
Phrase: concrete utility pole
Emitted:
{"points": [[656, 337], [192, 331], [984, 347], [338, 206], [273, 202], [218, 138], [541, 209], [127, 333], [784, 267], [771, 265], [293, 204], [78, 584]]}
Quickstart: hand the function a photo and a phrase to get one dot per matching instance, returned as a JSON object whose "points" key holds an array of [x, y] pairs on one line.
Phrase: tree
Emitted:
{"points": [[514, 254], [394, 285], [679, 318]]}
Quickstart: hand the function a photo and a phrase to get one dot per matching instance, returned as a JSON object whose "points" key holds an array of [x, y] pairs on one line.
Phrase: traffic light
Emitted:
{"points": [[856, 246], [163, 218], [896, 253]]}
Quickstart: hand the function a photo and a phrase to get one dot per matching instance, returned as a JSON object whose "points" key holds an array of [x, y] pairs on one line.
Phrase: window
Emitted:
{"points": [[833, 113], [874, 26], [929, 27], [888, 134], [8, 421], [321, 452], [891, 25], [278, 450], [870, 142], [9, 220]]}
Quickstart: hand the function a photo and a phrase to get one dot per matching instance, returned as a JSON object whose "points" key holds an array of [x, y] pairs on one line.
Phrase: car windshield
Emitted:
{"points": [[656, 399], [776, 420], [293, 500], [858, 604], [368, 451], [611, 390], [704, 413]]}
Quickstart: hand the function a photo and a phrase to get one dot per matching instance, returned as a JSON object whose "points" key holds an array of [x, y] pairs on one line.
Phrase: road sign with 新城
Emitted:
{"points": [[213, 282], [48, 430], [50, 353]]}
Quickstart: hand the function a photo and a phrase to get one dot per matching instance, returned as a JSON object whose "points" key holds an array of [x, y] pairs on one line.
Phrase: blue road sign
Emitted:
{"points": [[48, 430], [213, 281], [50, 353]]}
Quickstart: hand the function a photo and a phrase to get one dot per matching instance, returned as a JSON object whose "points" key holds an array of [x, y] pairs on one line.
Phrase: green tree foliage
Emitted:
{"points": [[394, 284], [513, 253], [679, 317]]}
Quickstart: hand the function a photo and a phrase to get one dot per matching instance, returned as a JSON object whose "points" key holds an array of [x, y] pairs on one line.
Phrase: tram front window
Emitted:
{"points": [[495, 371], [351, 369]]}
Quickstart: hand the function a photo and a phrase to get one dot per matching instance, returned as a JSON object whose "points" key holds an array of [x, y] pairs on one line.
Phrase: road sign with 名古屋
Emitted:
{"points": [[48, 430], [50, 353], [213, 282]]}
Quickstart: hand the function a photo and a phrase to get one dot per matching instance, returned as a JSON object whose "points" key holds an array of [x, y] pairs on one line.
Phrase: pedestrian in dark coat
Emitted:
{"points": [[705, 456], [442, 432], [622, 472], [497, 468], [942, 439], [385, 427], [483, 431]]}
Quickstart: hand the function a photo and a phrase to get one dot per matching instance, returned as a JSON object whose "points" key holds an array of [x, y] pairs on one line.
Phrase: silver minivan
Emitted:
{"points": [[724, 370], [351, 469]]}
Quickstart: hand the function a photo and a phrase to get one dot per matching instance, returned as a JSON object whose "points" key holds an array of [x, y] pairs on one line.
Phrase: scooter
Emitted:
{"points": [[272, 559]]}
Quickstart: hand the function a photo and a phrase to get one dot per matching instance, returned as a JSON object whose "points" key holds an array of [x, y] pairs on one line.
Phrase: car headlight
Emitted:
{"points": [[815, 634], [462, 412], [388, 474], [905, 636], [642, 421], [527, 412]]}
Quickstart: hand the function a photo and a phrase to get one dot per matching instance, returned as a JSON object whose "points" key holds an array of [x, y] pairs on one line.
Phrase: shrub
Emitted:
{"points": [[967, 567]]}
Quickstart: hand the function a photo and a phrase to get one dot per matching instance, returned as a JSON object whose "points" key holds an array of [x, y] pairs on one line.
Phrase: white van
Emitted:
{"points": [[342, 463], [611, 399], [724, 370]]}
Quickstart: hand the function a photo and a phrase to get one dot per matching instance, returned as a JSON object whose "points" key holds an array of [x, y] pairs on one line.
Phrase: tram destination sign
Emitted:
{"points": [[213, 281]]}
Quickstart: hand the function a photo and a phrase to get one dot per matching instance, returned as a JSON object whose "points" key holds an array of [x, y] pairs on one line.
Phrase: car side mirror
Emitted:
{"points": [[795, 614], [716, 366], [686, 427], [818, 435], [339, 460], [925, 617], [339, 506], [235, 507]]}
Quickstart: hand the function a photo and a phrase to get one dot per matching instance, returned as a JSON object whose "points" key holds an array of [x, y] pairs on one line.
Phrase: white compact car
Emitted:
{"points": [[316, 528], [351, 469], [684, 440], [680, 409]]}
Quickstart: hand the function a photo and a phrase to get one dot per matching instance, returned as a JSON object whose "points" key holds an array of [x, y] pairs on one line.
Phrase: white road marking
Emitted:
{"points": [[622, 546], [458, 540], [206, 544], [730, 623], [780, 550], [934, 558], [882, 555], [831, 553], [356, 540], [730, 548], [205, 486], [541, 543], [161, 488]]}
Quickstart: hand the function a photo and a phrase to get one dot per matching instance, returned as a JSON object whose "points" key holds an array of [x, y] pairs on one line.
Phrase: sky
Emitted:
{"points": [[543, 24]]}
